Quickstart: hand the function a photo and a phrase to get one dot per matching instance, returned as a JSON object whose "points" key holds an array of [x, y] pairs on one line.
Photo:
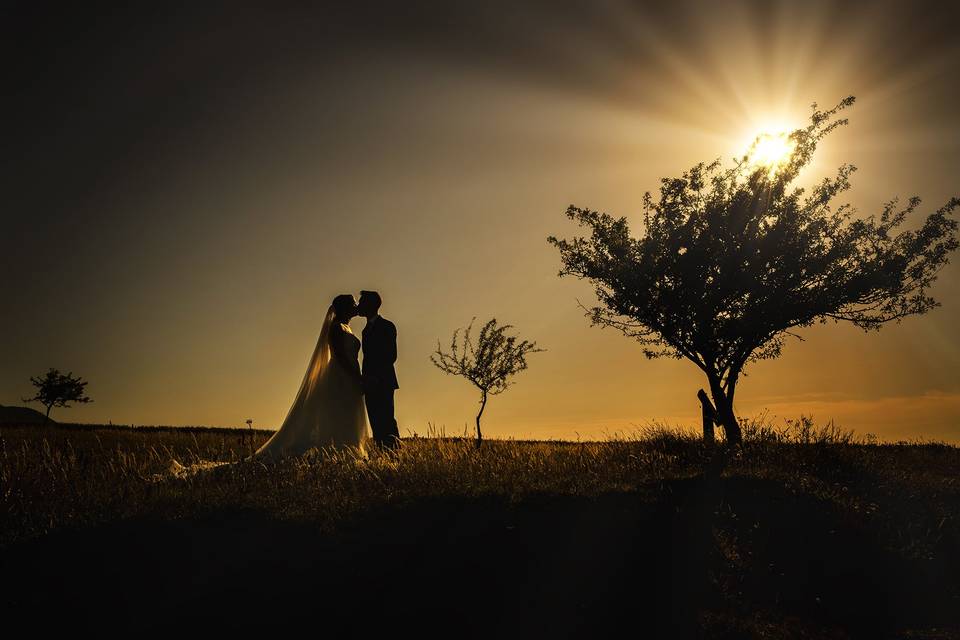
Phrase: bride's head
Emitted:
{"points": [[344, 307]]}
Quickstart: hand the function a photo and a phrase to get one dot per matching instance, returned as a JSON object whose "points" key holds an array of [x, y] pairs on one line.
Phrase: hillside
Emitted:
{"points": [[21, 415]]}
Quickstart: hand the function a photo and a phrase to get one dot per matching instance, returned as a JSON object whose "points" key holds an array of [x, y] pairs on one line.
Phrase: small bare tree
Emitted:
{"points": [[56, 390], [487, 364]]}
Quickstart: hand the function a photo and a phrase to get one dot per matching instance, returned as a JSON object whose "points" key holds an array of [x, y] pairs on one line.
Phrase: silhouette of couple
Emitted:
{"points": [[328, 411], [336, 396]]}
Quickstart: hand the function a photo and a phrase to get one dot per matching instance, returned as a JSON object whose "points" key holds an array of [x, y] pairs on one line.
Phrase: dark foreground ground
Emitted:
{"points": [[724, 553]]}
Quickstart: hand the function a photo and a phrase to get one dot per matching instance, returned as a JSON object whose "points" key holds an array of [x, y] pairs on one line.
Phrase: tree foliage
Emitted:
{"points": [[56, 389], [732, 260], [489, 363]]}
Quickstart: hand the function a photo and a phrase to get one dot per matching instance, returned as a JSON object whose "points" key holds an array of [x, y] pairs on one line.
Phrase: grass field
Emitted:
{"points": [[805, 532]]}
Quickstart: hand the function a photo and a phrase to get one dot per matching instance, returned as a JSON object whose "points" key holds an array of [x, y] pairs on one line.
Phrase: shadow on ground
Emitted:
{"points": [[735, 558]]}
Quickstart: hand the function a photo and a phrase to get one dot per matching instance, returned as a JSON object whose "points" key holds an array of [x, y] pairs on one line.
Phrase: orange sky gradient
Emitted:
{"points": [[201, 264]]}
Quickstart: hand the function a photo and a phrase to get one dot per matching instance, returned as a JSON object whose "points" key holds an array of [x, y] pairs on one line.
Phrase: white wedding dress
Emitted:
{"points": [[328, 413]]}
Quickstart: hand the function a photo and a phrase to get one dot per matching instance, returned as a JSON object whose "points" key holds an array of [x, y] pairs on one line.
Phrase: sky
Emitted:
{"points": [[186, 188]]}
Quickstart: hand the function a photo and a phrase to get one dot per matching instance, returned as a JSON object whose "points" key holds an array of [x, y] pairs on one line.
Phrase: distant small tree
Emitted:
{"points": [[56, 390], [731, 261], [489, 363]]}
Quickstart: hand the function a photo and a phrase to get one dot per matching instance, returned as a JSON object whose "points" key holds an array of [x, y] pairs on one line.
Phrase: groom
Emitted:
{"points": [[379, 376]]}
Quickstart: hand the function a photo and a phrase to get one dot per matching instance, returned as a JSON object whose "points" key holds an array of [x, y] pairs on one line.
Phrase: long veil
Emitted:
{"points": [[318, 364], [316, 368]]}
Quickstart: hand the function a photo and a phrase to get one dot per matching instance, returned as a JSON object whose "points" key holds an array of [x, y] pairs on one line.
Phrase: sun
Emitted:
{"points": [[771, 149]]}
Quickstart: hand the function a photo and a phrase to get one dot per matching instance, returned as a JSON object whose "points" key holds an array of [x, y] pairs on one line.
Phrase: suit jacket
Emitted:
{"points": [[380, 352]]}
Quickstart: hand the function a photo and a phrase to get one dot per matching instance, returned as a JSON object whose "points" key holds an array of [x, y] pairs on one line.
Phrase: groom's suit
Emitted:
{"points": [[380, 379]]}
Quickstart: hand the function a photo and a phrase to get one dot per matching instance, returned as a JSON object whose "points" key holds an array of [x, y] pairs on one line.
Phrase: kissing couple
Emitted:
{"points": [[328, 411], [336, 396]]}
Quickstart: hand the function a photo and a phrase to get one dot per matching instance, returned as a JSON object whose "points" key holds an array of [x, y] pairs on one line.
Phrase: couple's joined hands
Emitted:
{"points": [[367, 383]]}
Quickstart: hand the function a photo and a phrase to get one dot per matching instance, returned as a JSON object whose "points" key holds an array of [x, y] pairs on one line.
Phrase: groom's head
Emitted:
{"points": [[369, 303]]}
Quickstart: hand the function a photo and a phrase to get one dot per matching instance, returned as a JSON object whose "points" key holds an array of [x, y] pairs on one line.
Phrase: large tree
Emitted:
{"points": [[733, 260]]}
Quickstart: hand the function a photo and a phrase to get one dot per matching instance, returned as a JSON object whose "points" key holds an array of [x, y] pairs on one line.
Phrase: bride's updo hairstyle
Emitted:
{"points": [[343, 305]]}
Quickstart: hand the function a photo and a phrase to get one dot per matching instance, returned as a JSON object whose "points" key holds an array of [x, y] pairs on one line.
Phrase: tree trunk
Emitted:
{"points": [[47, 420], [725, 415], [483, 404], [730, 425]]}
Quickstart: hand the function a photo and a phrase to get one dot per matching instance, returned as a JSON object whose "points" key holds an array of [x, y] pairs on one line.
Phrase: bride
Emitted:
{"points": [[328, 412]]}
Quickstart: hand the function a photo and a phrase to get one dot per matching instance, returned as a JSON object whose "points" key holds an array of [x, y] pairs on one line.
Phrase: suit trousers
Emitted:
{"points": [[379, 401]]}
